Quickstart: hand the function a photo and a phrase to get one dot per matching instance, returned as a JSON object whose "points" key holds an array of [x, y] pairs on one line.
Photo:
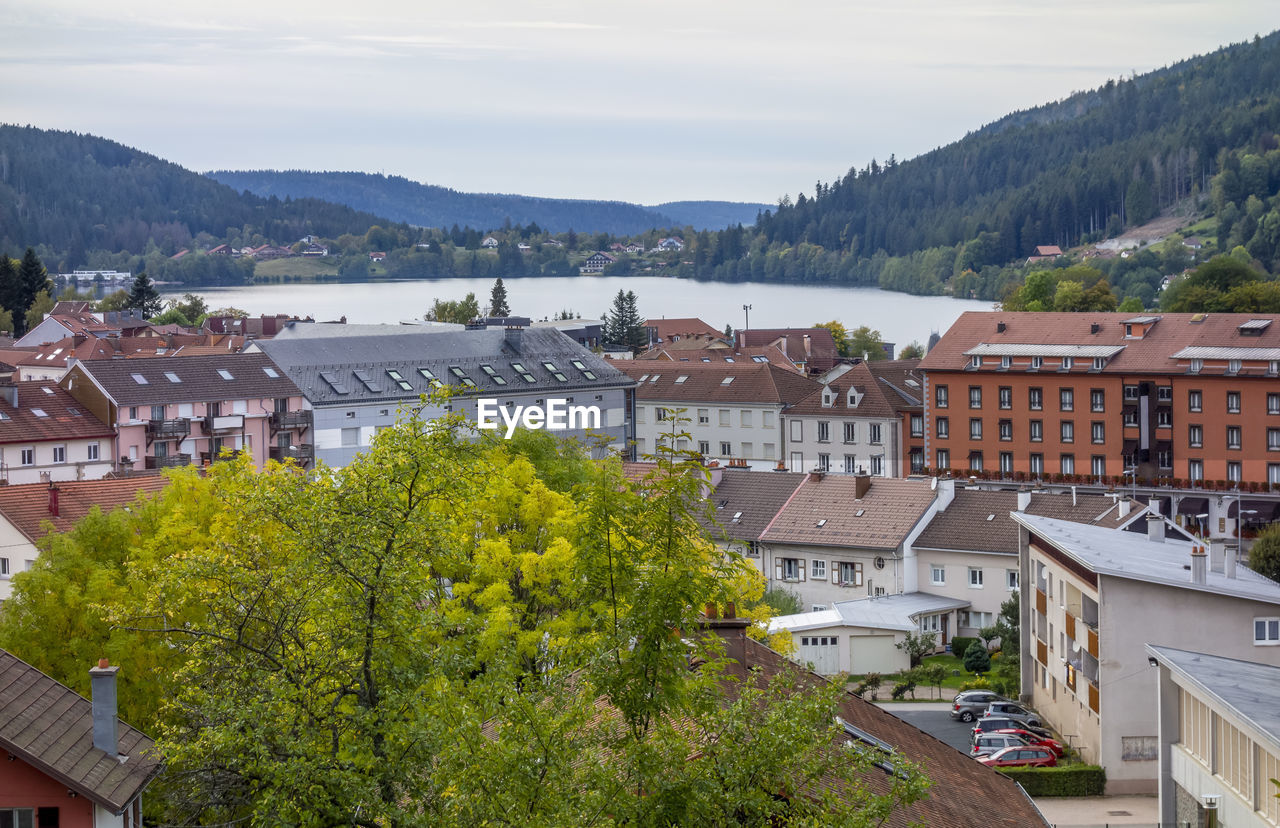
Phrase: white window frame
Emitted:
{"points": [[975, 577], [60, 453], [1011, 580], [838, 570], [1270, 628], [818, 568], [93, 451], [938, 574]]}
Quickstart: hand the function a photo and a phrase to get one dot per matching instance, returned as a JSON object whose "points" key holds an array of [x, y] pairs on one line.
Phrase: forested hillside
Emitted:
{"points": [[1076, 170]]}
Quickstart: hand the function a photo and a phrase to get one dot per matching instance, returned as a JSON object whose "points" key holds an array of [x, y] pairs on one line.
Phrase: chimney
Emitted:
{"points": [[861, 485], [1125, 506], [1024, 500], [53, 500], [1218, 556], [1000, 327], [10, 392], [733, 633], [1155, 527], [1199, 566], [102, 691], [815, 476], [513, 338], [1229, 562], [946, 493]]}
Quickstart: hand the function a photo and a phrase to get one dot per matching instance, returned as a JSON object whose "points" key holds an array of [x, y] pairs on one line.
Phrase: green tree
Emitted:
{"points": [[913, 351], [866, 343], [459, 311], [976, 658], [841, 336], [21, 286], [1131, 304], [917, 645], [498, 299], [623, 324], [114, 301], [39, 309], [1264, 555], [143, 296]]}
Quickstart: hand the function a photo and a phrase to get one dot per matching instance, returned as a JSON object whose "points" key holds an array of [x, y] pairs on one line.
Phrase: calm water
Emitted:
{"points": [[899, 317]]}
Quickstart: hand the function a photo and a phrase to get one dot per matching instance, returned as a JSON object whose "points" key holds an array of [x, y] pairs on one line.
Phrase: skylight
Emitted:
{"points": [[462, 376], [172, 377], [759, 359], [654, 378], [39, 412], [367, 379], [680, 379], [225, 374], [46, 389], [726, 380], [643, 377], [728, 359], [271, 372], [138, 378], [737, 517], [338, 386], [555, 372], [519, 368], [586, 372], [821, 523], [4, 416], [497, 378], [428, 375]]}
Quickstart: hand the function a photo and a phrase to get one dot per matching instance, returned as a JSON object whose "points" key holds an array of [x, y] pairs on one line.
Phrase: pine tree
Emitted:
{"points": [[623, 325], [8, 282], [31, 280], [498, 300], [144, 297]]}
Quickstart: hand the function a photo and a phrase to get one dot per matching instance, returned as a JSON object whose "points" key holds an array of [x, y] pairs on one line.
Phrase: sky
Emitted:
{"points": [[647, 102]]}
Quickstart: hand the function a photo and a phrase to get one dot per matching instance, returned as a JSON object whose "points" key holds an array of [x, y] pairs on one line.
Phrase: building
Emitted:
{"points": [[733, 413], [846, 426], [1189, 399], [47, 435], [1044, 253], [813, 349], [50, 361], [72, 763], [65, 320], [596, 263], [1218, 740], [172, 412], [1093, 598], [671, 243], [668, 331], [355, 385], [745, 502], [903, 388]]}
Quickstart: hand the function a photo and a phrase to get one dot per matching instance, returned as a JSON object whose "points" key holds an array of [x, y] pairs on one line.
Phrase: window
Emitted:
{"points": [[1067, 363], [59, 454], [1233, 366], [767, 450], [489, 371], [1006, 430], [1011, 579], [555, 372], [766, 419], [157, 412], [1164, 418], [975, 577], [1037, 363], [28, 456], [726, 449], [824, 461], [1233, 471], [26, 817], [139, 379], [1098, 432], [4, 567], [850, 464], [93, 451], [1273, 439], [1068, 463], [350, 436], [467, 381], [1273, 473], [797, 431], [1097, 400], [704, 416], [1006, 397], [1098, 465], [1195, 401], [850, 574], [1067, 431], [1066, 399], [975, 396], [851, 432], [790, 569], [639, 413], [1099, 363], [1273, 403], [225, 374], [1037, 464], [975, 361], [944, 428], [1197, 365], [724, 418], [1233, 437], [940, 396], [975, 461], [1130, 417], [1195, 469], [1035, 430], [1006, 362], [877, 464], [917, 425], [943, 459], [744, 418], [1006, 462], [660, 413], [1131, 392], [937, 574], [1233, 402], [1266, 631], [873, 433], [1035, 398], [824, 431], [819, 568]]}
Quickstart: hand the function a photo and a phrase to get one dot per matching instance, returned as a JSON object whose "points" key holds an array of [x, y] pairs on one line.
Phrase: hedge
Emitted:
{"points": [[960, 645], [1067, 780]]}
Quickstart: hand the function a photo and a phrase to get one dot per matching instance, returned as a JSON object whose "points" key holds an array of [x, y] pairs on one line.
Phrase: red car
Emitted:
{"points": [[1034, 739], [1027, 756]]}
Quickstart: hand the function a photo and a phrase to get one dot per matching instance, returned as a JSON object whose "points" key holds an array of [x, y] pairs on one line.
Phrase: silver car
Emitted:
{"points": [[988, 743], [969, 705], [1015, 711]]}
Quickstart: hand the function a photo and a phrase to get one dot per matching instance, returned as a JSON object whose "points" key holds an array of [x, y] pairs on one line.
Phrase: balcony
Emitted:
{"points": [[168, 462], [1042, 652], [225, 424], [178, 429], [207, 457], [1042, 602], [290, 420], [1094, 702], [301, 454]]}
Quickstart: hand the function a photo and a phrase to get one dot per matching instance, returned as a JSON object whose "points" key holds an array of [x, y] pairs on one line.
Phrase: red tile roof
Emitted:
{"points": [[665, 329], [814, 346], [873, 402], [46, 412], [881, 519], [673, 353], [901, 381], [752, 382], [27, 506]]}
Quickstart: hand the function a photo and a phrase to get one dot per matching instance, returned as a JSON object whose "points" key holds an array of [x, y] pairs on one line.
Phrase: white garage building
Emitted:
{"points": [[861, 636]]}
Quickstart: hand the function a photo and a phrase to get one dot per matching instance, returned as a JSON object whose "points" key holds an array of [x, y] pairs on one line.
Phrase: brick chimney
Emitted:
{"points": [[9, 391], [732, 631], [102, 692], [861, 485], [53, 500]]}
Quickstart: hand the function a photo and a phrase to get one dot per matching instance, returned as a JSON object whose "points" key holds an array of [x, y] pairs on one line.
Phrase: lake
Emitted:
{"points": [[900, 317]]}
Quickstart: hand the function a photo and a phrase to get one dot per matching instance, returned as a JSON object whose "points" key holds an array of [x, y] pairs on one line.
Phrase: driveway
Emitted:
{"points": [[935, 719]]}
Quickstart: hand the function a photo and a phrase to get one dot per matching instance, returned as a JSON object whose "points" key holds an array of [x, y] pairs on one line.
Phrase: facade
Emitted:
{"points": [[667, 331], [814, 349], [1219, 739], [1093, 598], [745, 503], [596, 263], [173, 412], [72, 764], [732, 412], [355, 385], [846, 426], [903, 387], [1192, 399], [46, 435]]}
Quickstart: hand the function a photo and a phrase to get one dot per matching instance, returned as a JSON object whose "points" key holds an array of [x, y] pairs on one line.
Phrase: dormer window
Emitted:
{"points": [[1067, 362], [975, 361], [1233, 366], [1273, 367], [1197, 365], [828, 398], [1037, 363], [1128, 331], [1006, 362], [1099, 363], [853, 398]]}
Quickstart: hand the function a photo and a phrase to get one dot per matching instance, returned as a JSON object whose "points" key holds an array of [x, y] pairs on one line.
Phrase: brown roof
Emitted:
{"points": [[84, 347], [26, 506], [1048, 250], [902, 382], [1150, 354], [873, 402], [665, 329], [978, 521], [200, 380], [50, 727], [753, 382], [674, 353], [746, 501], [820, 354], [46, 412], [882, 519]]}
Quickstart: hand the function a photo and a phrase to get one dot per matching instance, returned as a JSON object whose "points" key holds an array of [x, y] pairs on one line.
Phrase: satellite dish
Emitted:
{"points": [[1075, 646], [933, 484]]}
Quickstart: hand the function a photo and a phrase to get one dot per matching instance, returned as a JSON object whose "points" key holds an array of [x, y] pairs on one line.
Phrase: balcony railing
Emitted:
{"points": [[224, 424], [207, 457], [169, 461], [302, 454], [290, 420], [177, 429]]}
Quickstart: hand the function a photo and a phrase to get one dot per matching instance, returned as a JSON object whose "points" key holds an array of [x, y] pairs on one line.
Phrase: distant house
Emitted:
{"points": [[314, 250], [634, 248], [220, 250], [270, 251], [377, 256], [552, 243], [180, 254], [1194, 242], [524, 248], [665, 331], [812, 348], [596, 263], [616, 247], [1045, 253], [489, 242], [671, 243], [50, 436]]}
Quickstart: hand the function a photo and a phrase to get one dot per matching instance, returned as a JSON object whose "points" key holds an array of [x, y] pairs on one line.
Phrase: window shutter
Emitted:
{"points": [[835, 573], [801, 569], [857, 574], [777, 569]]}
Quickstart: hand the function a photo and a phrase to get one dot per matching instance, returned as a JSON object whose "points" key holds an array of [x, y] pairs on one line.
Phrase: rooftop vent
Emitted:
{"points": [[1000, 327]]}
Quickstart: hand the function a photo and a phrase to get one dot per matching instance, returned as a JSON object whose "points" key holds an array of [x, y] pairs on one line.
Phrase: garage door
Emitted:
{"points": [[821, 653], [873, 654]]}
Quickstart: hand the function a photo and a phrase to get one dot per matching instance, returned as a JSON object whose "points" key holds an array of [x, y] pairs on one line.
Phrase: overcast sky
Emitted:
{"points": [[642, 101]]}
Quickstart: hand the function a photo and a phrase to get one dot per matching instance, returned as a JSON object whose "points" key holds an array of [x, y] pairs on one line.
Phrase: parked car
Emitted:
{"points": [[1013, 710], [972, 704], [989, 743], [1024, 756], [990, 724], [1032, 738]]}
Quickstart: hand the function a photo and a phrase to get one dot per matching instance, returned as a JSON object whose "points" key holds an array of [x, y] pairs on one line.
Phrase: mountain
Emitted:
{"points": [[71, 192], [427, 205], [1199, 135]]}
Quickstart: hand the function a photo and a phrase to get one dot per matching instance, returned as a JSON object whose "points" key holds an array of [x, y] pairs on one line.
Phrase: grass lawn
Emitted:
{"points": [[298, 266], [1204, 227]]}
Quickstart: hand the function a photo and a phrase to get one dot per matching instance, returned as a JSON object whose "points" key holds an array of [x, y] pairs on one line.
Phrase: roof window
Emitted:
{"points": [[497, 378], [46, 389], [462, 376], [39, 412], [271, 372], [368, 380], [523, 372], [427, 374], [555, 372], [138, 378], [338, 386], [172, 377], [680, 380], [225, 374], [726, 380]]}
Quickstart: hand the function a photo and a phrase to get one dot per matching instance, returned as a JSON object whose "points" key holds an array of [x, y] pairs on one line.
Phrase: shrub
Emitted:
{"points": [[960, 645], [976, 684], [903, 689], [871, 682], [1067, 780], [976, 658]]}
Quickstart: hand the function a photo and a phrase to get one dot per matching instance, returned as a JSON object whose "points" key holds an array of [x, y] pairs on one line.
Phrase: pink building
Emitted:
{"points": [[172, 412]]}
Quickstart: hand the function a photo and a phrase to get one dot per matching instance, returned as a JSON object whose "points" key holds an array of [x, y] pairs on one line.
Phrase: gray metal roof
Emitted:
{"points": [[1223, 352], [1020, 350], [885, 612], [1131, 555], [335, 370], [1249, 690]]}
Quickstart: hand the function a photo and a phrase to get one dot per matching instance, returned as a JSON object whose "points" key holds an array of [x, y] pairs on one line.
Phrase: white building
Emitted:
{"points": [[847, 426]]}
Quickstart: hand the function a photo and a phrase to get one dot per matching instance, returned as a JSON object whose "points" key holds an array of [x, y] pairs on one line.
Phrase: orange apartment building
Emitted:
{"points": [[1075, 397]]}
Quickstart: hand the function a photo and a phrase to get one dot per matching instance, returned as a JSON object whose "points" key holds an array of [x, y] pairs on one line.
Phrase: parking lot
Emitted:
{"points": [[935, 719]]}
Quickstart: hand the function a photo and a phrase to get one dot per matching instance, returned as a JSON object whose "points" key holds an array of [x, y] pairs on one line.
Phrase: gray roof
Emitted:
{"points": [[979, 520], [1249, 690], [335, 370], [1016, 349], [745, 501], [1224, 352], [1134, 556], [884, 612], [199, 379], [313, 330], [50, 727]]}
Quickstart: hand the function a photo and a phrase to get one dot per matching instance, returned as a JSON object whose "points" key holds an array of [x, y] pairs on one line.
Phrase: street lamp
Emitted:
{"points": [[746, 309], [1240, 513], [1203, 517]]}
